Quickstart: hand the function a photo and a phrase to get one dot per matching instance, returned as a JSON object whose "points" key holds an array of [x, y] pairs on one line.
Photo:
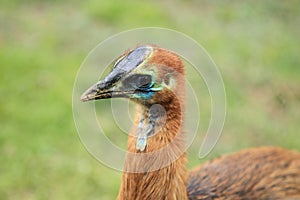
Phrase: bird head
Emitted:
{"points": [[146, 74]]}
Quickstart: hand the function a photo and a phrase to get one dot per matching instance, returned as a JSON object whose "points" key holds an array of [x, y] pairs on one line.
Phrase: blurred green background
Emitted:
{"points": [[42, 44]]}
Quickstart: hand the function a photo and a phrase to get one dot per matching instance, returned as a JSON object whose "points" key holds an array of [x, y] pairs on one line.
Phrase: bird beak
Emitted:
{"points": [[110, 86], [97, 91]]}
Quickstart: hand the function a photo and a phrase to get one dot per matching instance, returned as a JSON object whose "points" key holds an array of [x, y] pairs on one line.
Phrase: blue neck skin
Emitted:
{"points": [[153, 113]]}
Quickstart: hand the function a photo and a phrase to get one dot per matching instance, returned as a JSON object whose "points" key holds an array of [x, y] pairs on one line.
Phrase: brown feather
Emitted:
{"points": [[259, 173]]}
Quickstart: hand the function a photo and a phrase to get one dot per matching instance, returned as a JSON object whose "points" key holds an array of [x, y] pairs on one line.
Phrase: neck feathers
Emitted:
{"points": [[158, 172]]}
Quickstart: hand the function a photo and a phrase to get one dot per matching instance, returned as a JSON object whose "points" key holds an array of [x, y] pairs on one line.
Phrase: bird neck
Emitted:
{"points": [[159, 171]]}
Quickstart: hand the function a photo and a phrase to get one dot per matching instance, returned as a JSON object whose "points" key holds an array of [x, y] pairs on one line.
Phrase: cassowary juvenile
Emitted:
{"points": [[155, 165]]}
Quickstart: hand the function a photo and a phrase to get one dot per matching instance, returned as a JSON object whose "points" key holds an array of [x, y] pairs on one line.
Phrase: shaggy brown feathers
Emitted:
{"points": [[259, 173]]}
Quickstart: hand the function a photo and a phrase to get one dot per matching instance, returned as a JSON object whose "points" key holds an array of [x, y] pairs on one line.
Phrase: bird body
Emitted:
{"points": [[257, 173], [155, 164]]}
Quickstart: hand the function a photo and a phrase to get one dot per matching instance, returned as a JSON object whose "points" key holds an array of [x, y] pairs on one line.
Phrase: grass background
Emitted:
{"points": [[42, 44]]}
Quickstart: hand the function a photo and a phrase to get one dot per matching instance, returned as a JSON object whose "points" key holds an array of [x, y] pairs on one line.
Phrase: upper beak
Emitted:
{"points": [[105, 89], [100, 90], [97, 91]]}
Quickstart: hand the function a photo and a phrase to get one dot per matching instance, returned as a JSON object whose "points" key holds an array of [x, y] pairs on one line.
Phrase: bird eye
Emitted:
{"points": [[144, 81], [138, 81]]}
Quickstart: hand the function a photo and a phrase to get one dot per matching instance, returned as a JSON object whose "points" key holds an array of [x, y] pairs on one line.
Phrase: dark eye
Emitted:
{"points": [[144, 81], [138, 81]]}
